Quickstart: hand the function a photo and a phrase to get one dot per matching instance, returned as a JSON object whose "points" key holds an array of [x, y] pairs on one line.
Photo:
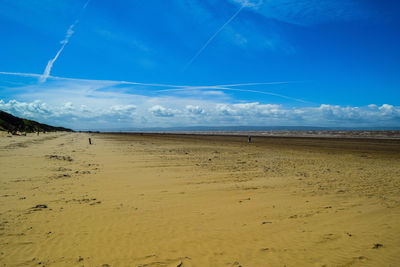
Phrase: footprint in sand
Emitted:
{"points": [[377, 245]]}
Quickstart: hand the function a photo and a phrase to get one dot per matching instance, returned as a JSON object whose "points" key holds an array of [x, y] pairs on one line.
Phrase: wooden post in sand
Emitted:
{"points": [[90, 141]]}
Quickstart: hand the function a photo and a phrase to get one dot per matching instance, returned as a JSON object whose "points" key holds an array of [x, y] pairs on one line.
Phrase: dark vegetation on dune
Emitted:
{"points": [[9, 122]]}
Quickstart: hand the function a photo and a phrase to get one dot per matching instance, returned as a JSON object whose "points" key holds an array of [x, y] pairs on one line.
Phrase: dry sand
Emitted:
{"points": [[168, 200]]}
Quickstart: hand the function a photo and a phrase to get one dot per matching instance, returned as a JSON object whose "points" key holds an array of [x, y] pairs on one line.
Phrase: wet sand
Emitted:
{"points": [[173, 200]]}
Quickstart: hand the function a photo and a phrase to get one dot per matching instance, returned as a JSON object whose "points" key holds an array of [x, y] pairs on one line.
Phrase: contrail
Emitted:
{"points": [[241, 90], [64, 42], [21, 74], [213, 36], [183, 87], [173, 87], [47, 71], [252, 84]]}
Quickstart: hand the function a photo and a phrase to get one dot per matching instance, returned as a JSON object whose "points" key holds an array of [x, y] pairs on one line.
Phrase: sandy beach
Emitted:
{"points": [[173, 200]]}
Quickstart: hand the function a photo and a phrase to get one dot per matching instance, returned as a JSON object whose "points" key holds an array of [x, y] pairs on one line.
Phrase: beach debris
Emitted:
{"points": [[40, 206], [251, 188], [57, 157], [240, 201], [377, 245], [265, 222], [82, 172], [62, 169], [61, 176], [80, 259], [91, 201]]}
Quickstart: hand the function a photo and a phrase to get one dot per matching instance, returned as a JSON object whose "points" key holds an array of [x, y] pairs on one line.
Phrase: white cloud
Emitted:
{"points": [[387, 108], [384, 113], [127, 110], [67, 114], [33, 109], [373, 106], [196, 110], [249, 109], [160, 111]]}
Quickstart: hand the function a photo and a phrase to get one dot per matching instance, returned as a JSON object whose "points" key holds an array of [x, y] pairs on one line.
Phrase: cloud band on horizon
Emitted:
{"points": [[150, 112]]}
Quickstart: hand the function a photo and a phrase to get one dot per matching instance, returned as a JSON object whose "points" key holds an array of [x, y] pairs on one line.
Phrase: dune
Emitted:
{"points": [[188, 200]]}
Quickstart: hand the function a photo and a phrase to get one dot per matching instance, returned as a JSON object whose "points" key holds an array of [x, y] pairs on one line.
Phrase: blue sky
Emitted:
{"points": [[149, 63]]}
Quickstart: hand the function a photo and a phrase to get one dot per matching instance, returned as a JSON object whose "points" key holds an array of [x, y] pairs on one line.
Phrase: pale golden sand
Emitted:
{"points": [[132, 200]]}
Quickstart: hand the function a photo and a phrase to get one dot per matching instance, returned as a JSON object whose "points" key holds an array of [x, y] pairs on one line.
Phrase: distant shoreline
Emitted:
{"points": [[345, 134], [323, 134]]}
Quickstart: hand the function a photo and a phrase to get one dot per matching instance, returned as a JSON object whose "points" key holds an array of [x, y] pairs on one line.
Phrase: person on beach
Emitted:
{"points": [[249, 137]]}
